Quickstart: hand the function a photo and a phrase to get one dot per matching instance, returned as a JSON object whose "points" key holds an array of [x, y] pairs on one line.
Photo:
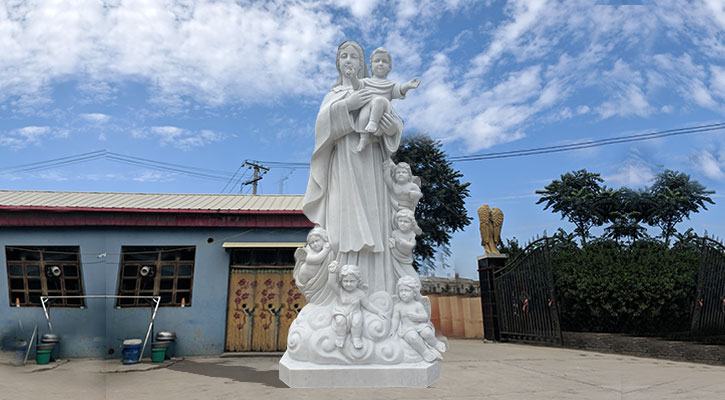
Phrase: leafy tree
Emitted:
{"points": [[442, 210], [512, 247], [673, 197], [625, 209], [579, 198]]}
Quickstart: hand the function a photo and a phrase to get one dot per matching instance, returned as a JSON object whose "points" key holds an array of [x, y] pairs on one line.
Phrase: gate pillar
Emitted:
{"points": [[487, 264]]}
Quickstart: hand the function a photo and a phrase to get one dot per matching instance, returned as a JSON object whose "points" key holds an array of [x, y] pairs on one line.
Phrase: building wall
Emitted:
{"points": [[93, 331]]}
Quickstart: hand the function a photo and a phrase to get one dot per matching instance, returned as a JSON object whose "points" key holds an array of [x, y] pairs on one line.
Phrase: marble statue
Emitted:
{"points": [[404, 187], [491, 222], [411, 320], [359, 256], [310, 271], [383, 90], [347, 316]]}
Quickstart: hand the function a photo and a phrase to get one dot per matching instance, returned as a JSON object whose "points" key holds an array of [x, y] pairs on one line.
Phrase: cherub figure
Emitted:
{"points": [[312, 255], [411, 320], [402, 241], [347, 316], [309, 275], [383, 91], [404, 187]]}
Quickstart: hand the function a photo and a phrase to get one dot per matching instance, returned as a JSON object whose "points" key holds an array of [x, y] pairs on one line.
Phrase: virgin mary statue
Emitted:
{"points": [[346, 193]]}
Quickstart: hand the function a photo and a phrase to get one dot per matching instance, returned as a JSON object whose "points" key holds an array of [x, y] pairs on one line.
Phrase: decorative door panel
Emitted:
{"points": [[263, 302]]}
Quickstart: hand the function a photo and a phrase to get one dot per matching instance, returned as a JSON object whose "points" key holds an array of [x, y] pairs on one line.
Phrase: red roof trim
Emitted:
{"points": [[144, 210], [48, 218]]}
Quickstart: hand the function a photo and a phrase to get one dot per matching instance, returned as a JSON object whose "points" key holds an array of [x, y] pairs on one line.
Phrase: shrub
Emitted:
{"points": [[641, 288]]}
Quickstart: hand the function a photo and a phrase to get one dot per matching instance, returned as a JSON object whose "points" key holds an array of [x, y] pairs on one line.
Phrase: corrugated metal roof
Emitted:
{"points": [[150, 201]]}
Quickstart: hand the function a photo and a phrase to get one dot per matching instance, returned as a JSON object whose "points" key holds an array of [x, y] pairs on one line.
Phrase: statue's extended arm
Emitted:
{"points": [[412, 84]]}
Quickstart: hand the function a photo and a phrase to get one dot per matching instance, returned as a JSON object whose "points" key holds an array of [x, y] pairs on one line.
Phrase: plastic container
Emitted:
{"points": [[43, 357], [21, 347], [131, 350], [158, 354]]}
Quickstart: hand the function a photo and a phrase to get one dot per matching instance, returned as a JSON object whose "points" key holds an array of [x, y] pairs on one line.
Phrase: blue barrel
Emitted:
{"points": [[131, 351]]}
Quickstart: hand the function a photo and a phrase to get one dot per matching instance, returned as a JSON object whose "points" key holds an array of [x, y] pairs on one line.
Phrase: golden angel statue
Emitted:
{"points": [[491, 222]]}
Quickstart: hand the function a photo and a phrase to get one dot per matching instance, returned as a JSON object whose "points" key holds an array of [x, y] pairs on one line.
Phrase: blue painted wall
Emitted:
{"points": [[92, 331]]}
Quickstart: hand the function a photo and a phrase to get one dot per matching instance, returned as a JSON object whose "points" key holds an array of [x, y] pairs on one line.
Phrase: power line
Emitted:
{"points": [[232, 178], [591, 143]]}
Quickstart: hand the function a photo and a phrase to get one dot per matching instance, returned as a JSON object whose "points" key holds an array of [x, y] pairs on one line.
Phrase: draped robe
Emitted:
{"points": [[347, 195]]}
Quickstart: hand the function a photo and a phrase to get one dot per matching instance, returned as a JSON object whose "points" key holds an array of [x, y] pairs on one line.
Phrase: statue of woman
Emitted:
{"points": [[346, 192]]}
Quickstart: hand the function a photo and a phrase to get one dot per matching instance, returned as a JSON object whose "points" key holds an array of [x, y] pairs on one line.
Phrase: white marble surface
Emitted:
{"points": [[302, 374]]}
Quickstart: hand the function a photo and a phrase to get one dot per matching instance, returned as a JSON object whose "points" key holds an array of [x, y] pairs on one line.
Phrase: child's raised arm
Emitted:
{"points": [[412, 84]]}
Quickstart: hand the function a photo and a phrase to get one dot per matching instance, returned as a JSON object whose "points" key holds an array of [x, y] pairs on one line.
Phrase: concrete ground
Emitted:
{"points": [[471, 370]]}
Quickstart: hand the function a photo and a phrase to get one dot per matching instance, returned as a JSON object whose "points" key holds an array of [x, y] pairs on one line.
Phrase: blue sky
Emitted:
{"points": [[208, 84]]}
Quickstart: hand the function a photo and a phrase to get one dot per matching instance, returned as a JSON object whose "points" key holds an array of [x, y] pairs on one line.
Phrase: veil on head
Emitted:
{"points": [[362, 72]]}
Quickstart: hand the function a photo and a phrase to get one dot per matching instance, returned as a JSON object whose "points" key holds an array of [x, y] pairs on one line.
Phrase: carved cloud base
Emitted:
{"points": [[303, 374]]}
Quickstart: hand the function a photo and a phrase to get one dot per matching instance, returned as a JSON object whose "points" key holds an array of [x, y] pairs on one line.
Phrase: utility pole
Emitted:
{"points": [[257, 177]]}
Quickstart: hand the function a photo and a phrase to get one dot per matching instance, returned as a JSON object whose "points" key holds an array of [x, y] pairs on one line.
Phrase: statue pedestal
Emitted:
{"points": [[301, 374], [487, 264]]}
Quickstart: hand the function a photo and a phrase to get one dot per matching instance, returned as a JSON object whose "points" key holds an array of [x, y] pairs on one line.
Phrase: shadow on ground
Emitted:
{"points": [[235, 373]]}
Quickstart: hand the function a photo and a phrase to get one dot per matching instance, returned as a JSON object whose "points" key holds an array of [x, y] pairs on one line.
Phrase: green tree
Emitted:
{"points": [[442, 210], [673, 197], [579, 198], [625, 209]]}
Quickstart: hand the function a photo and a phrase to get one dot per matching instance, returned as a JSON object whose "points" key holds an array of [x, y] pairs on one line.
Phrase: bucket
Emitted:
{"points": [[131, 350], [21, 347], [43, 357], [158, 354]]}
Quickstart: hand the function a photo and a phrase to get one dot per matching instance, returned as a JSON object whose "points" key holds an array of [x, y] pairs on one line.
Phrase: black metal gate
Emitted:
{"points": [[525, 298], [708, 316]]}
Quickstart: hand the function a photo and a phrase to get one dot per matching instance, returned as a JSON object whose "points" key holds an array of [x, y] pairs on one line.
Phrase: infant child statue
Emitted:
{"points": [[383, 91]]}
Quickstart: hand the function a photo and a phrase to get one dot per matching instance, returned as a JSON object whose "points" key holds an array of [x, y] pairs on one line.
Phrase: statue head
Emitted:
{"points": [[381, 51], [405, 221], [350, 277], [413, 286], [317, 237], [402, 172], [362, 71]]}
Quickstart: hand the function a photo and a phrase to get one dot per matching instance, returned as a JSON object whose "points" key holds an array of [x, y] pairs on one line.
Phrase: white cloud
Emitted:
{"points": [[633, 172], [709, 164], [213, 52], [717, 80], [96, 118], [180, 138], [30, 135], [152, 176]]}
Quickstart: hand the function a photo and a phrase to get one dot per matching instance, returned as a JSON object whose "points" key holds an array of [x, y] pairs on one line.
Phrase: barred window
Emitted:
{"points": [[35, 271], [156, 271]]}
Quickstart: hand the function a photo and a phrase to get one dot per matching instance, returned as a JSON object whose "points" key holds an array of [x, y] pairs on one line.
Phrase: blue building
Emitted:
{"points": [[181, 247]]}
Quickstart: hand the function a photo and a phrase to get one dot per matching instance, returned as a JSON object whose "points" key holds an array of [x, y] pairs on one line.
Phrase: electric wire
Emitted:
{"points": [[228, 178], [231, 179], [591, 143]]}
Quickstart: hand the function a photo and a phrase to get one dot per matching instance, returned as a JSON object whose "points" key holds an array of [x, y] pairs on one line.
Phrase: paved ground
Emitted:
{"points": [[471, 370]]}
